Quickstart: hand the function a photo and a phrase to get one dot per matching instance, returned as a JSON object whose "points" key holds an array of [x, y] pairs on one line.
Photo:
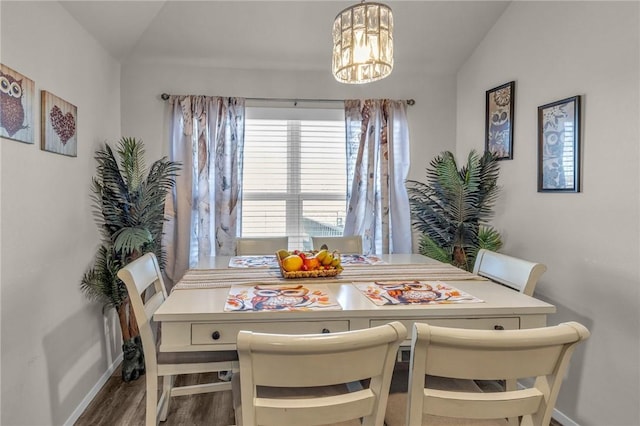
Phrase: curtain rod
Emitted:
{"points": [[165, 96]]}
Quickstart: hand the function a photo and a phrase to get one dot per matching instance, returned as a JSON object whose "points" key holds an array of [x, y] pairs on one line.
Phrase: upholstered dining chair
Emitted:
{"points": [[346, 245], [451, 358], [304, 379], [518, 274], [250, 246], [143, 277]]}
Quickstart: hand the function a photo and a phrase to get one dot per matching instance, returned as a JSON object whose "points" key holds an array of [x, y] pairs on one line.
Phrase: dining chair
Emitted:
{"points": [[143, 277], [518, 274], [253, 246], [346, 245], [441, 353], [309, 379]]}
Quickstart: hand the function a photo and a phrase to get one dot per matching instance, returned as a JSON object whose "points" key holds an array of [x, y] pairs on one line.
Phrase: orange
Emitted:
{"points": [[312, 263], [292, 263]]}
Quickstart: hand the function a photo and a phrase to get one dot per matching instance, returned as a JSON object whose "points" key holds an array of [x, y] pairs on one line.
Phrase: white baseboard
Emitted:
{"points": [[93, 392], [562, 419]]}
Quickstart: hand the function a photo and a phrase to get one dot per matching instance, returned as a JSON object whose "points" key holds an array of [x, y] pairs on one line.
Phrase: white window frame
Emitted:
{"points": [[294, 198]]}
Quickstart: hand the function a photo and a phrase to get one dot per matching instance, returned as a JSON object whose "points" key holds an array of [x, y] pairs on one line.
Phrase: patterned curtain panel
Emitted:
{"points": [[207, 137], [377, 167]]}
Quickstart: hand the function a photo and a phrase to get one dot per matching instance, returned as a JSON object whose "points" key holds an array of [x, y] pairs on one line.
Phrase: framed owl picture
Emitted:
{"points": [[17, 96], [499, 120], [59, 125]]}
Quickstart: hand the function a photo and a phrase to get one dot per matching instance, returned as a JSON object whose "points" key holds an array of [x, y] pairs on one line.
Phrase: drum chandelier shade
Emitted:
{"points": [[363, 43]]}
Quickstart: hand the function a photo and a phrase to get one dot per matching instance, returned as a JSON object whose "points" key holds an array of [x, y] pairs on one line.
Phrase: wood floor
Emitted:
{"points": [[119, 403]]}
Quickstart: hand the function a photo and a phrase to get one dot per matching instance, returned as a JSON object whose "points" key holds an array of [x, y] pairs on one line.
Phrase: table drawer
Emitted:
{"points": [[226, 333], [510, 323]]}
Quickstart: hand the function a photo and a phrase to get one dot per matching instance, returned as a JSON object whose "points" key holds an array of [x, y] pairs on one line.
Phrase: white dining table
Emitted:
{"points": [[193, 317]]}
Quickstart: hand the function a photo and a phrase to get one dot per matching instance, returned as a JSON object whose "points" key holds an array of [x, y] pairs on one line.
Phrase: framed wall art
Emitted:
{"points": [[559, 146], [499, 120], [17, 95], [59, 125]]}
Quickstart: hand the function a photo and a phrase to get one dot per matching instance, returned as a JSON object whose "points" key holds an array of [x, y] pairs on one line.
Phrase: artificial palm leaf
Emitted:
{"points": [[100, 283], [128, 241], [489, 238], [132, 162], [431, 249]]}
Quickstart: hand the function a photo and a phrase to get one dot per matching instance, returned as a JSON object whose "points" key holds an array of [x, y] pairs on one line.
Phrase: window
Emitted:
{"points": [[294, 173]]}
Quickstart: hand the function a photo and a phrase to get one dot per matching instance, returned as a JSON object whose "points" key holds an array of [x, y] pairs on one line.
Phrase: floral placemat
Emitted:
{"points": [[269, 297], [360, 259], [253, 262], [413, 292]]}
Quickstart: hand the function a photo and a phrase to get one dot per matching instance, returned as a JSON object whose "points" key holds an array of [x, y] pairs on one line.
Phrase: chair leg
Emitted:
{"points": [[151, 400], [167, 385], [511, 385]]}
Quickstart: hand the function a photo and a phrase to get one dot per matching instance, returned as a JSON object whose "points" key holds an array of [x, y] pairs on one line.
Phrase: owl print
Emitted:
{"points": [[12, 115], [410, 292], [276, 298], [500, 120]]}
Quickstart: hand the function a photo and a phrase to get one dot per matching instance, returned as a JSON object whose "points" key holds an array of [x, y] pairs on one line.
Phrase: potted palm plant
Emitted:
{"points": [[453, 208], [128, 204]]}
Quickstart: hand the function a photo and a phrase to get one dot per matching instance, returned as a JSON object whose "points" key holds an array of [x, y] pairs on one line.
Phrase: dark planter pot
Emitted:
{"points": [[133, 359]]}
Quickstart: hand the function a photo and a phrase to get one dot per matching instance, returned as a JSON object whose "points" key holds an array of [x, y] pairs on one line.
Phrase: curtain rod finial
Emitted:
{"points": [[164, 96], [411, 101]]}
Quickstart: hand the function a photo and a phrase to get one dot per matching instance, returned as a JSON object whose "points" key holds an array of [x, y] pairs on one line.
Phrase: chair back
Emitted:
{"points": [[143, 277], [518, 274], [541, 353], [346, 245], [318, 361], [255, 246]]}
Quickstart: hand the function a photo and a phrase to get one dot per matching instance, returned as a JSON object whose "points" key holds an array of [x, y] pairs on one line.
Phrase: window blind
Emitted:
{"points": [[294, 174]]}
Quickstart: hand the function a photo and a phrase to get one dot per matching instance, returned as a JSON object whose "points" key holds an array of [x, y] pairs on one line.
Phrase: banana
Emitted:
{"points": [[336, 259]]}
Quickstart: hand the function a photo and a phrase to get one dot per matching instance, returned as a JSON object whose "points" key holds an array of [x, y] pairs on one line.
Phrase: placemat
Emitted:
{"points": [[253, 262], [414, 292], [360, 259], [269, 297]]}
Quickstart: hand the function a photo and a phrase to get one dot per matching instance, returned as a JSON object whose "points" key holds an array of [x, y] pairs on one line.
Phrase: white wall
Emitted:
{"points": [[144, 115], [53, 345], [589, 241]]}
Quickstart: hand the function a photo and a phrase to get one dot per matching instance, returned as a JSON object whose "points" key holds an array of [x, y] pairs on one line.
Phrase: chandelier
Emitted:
{"points": [[363, 43]]}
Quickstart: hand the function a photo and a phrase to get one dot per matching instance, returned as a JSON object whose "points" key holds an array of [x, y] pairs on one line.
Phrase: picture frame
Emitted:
{"points": [[499, 120], [17, 97], [559, 146], [59, 127]]}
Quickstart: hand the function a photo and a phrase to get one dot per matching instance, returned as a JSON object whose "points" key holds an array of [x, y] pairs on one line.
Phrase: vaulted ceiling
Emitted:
{"points": [[435, 36]]}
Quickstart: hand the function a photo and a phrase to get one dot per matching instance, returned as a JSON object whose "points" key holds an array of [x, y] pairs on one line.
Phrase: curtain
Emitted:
{"points": [[207, 137], [377, 167]]}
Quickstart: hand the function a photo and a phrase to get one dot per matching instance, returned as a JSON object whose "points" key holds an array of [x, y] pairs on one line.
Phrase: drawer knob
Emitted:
{"points": [[326, 330], [215, 335], [498, 327]]}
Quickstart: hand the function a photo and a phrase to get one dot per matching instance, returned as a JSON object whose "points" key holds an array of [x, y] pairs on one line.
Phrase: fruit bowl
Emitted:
{"points": [[321, 272]]}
